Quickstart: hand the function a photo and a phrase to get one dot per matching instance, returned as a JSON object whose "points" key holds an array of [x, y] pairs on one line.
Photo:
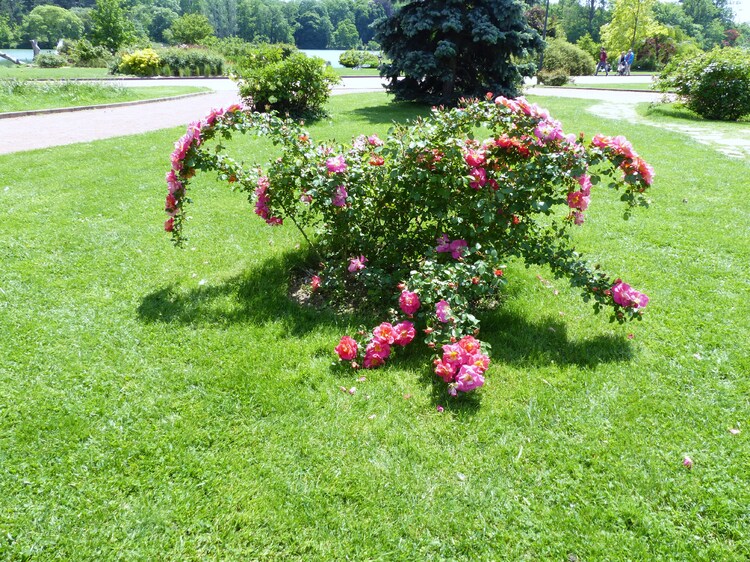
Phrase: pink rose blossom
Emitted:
{"points": [[577, 200], [339, 199], [621, 145], [624, 295], [442, 311], [315, 283], [480, 361], [336, 164], [347, 348], [480, 178], [409, 302], [469, 344], [457, 248], [601, 141], [384, 333], [373, 360], [585, 182], [444, 370], [468, 378], [405, 333], [547, 131], [444, 244], [357, 264], [475, 158], [687, 462], [169, 224], [578, 218], [454, 355], [373, 140]]}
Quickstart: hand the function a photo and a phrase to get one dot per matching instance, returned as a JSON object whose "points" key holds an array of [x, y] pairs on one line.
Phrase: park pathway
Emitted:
{"points": [[41, 131], [54, 129]]}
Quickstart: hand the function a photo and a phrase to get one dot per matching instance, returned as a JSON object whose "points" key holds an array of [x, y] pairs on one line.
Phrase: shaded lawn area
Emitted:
{"points": [[176, 405], [25, 96]]}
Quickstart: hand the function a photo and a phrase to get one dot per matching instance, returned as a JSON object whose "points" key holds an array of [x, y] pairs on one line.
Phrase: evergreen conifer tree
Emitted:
{"points": [[441, 50]]}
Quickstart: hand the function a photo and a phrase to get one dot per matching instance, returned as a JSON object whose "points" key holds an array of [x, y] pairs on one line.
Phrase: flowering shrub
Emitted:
{"points": [[424, 219], [144, 62]]}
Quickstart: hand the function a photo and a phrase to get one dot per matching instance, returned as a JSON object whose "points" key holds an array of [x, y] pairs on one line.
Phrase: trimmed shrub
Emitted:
{"points": [[553, 78], [358, 59], [262, 54], [716, 85], [190, 62], [144, 62], [561, 56], [296, 85], [50, 60]]}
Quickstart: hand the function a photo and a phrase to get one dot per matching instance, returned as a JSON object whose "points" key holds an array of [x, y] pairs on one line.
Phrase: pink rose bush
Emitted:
{"points": [[424, 219]]}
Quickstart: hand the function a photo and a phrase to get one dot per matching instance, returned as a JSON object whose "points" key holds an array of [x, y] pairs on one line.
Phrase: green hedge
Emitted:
{"points": [[561, 56], [716, 85]]}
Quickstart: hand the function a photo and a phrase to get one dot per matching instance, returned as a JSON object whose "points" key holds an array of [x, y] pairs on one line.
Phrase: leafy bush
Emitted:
{"points": [[716, 85], [358, 59], [190, 62], [82, 53], [50, 60], [259, 55], [553, 78], [424, 220], [561, 56], [144, 62], [296, 85]]}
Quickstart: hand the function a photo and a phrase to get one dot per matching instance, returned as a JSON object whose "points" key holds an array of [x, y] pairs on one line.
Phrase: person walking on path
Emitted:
{"points": [[602, 65], [629, 58]]}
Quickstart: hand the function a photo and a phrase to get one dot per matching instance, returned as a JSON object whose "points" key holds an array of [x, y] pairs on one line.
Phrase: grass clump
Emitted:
{"points": [[177, 405]]}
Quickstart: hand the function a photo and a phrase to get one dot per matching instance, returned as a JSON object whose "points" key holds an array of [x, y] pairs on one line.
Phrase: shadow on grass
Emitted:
{"points": [[257, 296], [261, 295], [397, 111]]}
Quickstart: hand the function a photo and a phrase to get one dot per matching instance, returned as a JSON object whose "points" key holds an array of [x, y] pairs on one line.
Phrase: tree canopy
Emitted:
{"points": [[442, 50]]}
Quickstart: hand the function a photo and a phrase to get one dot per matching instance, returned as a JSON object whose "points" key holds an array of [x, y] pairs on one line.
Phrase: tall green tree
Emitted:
{"points": [[633, 21], [48, 24], [191, 29], [263, 20], [314, 27], [345, 36], [441, 50], [111, 26]]}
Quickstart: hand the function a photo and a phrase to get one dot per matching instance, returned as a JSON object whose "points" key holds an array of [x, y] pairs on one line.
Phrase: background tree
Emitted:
{"points": [[48, 24], [263, 20], [222, 15], [445, 49], [191, 29], [345, 36], [314, 26], [633, 21], [111, 27], [7, 36]]}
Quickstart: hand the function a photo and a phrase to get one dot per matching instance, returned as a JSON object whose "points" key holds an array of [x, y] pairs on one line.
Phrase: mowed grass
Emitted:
{"points": [[163, 404], [18, 95], [27, 72]]}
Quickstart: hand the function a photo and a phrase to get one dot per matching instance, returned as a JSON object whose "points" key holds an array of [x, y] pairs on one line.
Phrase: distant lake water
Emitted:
{"points": [[24, 55], [329, 55]]}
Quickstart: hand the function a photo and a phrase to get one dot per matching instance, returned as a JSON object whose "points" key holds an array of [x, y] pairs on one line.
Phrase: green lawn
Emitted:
{"points": [[163, 404], [68, 73], [23, 96], [357, 71]]}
